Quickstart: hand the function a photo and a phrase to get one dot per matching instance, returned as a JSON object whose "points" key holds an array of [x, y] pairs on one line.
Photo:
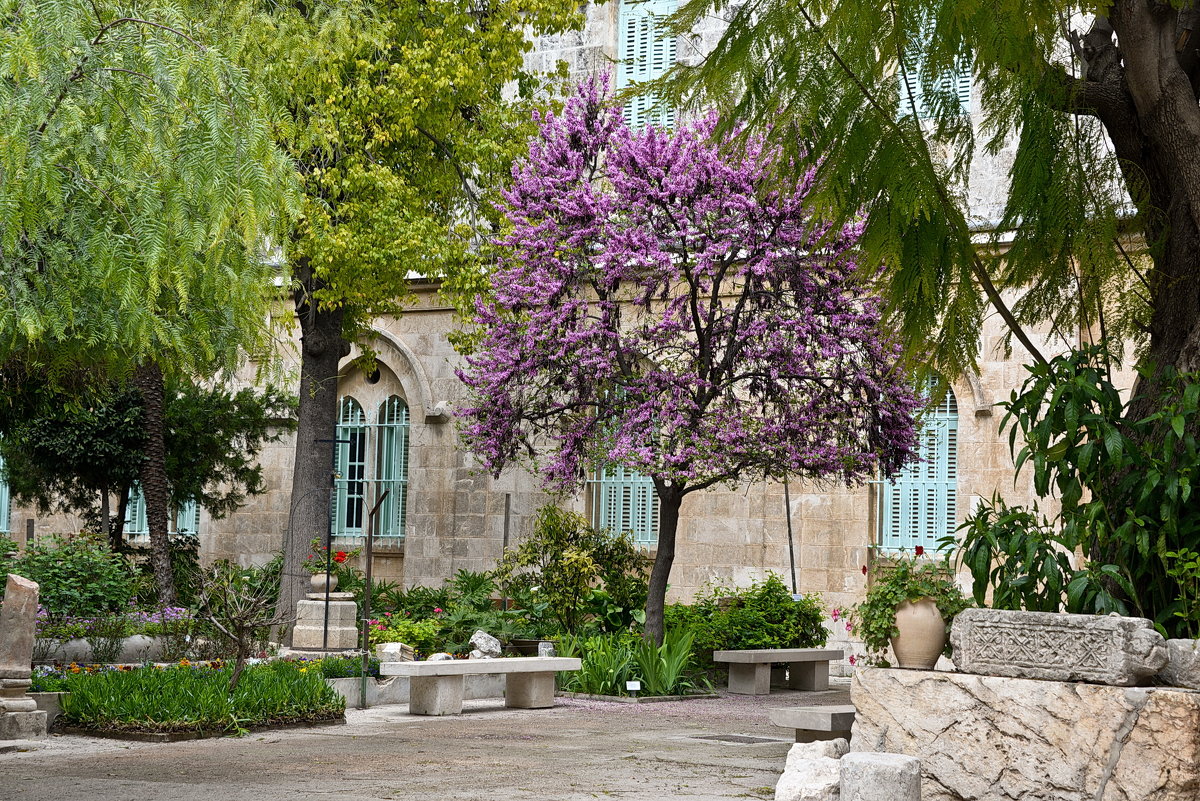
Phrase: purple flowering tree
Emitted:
{"points": [[664, 302]]}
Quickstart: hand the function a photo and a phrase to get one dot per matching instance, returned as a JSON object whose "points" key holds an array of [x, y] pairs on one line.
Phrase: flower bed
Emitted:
{"points": [[187, 697]]}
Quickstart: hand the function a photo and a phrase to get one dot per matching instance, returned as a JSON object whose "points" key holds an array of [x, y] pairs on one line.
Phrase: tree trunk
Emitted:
{"points": [[156, 489], [322, 348], [669, 500]]}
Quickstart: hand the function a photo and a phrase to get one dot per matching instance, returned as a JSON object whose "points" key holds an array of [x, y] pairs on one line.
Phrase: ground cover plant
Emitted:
{"points": [[763, 615], [186, 697], [609, 661]]}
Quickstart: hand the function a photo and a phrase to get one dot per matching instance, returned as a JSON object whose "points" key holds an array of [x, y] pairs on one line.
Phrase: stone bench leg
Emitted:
{"points": [[435, 695], [811, 736], [808, 676], [529, 690], [750, 678]]}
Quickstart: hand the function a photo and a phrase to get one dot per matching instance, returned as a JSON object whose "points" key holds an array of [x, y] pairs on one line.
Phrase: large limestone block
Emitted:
{"points": [[810, 779], [309, 631], [989, 738], [1122, 651], [18, 627], [1183, 664]]}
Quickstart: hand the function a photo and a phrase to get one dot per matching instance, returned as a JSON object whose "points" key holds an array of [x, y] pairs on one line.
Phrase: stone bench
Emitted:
{"points": [[813, 723], [750, 670], [436, 688]]}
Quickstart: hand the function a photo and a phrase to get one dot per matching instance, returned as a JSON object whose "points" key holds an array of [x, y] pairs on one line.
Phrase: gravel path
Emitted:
{"points": [[580, 749]]}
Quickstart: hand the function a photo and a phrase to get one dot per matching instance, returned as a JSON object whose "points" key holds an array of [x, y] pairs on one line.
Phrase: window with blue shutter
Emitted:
{"points": [[5, 527], [391, 469], [645, 51], [919, 507], [350, 470], [137, 528], [624, 501], [916, 96]]}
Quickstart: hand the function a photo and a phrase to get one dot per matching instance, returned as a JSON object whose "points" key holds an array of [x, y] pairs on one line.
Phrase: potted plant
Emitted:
{"points": [[910, 603], [318, 558]]}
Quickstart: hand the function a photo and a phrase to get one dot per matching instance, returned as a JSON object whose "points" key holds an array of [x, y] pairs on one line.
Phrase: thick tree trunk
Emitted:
{"points": [[155, 488], [322, 348], [669, 500]]}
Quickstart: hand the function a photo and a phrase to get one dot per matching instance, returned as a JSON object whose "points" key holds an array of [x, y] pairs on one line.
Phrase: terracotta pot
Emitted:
{"points": [[922, 634], [317, 582]]}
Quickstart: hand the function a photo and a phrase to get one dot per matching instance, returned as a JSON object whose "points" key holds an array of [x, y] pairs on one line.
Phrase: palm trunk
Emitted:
{"points": [[669, 500], [155, 487], [322, 349]]}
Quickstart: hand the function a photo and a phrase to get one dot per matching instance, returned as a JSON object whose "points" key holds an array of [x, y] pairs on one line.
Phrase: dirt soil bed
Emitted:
{"points": [[717, 748]]}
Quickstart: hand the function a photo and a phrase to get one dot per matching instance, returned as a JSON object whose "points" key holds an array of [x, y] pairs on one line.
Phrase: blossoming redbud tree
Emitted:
{"points": [[664, 301]]}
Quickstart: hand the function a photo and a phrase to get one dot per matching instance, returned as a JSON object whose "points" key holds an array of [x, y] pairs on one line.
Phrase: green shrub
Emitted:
{"points": [[77, 576], [608, 661], [763, 615], [343, 667], [422, 635], [190, 698]]}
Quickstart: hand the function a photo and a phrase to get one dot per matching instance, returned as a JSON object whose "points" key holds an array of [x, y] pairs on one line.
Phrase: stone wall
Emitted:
{"points": [[986, 738]]}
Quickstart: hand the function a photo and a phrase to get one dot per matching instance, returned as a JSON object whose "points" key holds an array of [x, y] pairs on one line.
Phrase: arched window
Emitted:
{"points": [[919, 506], [624, 501], [351, 470], [391, 467]]}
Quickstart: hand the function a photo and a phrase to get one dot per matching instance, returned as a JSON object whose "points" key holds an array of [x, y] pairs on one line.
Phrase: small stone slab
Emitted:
{"points": [[1183, 664], [815, 723], [870, 776], [1119, 651]]}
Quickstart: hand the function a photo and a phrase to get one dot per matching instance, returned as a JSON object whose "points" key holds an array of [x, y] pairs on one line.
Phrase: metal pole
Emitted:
{"points": [[329, 537], [787, 505], [366, 626], [504, 546]]}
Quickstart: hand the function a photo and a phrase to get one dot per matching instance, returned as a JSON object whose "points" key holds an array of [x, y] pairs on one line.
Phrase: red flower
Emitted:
{"points": [[339, 557], [920, 550], [864, 570]]}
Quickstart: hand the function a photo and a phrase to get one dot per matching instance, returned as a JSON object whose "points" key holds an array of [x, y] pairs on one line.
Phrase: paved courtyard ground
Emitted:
{"points": [[714, 748]]}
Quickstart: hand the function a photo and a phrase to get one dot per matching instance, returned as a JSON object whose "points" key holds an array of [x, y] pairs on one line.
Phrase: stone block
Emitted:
{"points": [[1183, 664], [990, 738], [435, 695], [1121, 651], [22, 725], [529, 690], [309, 631], [485, 646], [809, 779], [18, 626], [869, 776], [833, 749]]}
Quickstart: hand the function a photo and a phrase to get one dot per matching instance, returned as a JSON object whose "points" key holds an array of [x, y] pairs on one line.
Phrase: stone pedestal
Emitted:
{"points": [[435, 695], [880, 777], [991, 738], [19, 715], [529, 690], [308, 633]]}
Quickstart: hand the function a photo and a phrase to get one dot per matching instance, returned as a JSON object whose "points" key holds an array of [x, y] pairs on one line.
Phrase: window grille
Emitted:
{"points": [[350, 470], [391, 469], [645, 51], [624, 501], [919, 506]]}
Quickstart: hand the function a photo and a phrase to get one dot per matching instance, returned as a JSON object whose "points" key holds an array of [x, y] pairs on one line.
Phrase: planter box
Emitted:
{"points": [[641, 699], [51, 704]]}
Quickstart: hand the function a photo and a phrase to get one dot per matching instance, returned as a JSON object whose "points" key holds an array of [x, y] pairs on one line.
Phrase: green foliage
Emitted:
{"points": [[1017, 555], [762, 615], [138, 183], [239, 603], [610, 660], [1184, 567], [894, 580], [105, 634], [78, 575], [828, 77], [187, 698], [341, 667], [555, 572], [1125, 485], [422, 635]]}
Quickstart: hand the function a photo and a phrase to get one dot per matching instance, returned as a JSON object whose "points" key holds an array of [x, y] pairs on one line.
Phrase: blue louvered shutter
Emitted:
{"points": [[956, 84], [391, 468], [919, 507], [137, 527], [351, 470], [624, 501], [645, 51], [5, 522]]}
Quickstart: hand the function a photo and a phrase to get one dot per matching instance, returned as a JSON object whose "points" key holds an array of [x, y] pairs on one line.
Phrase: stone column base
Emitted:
{"points": [[529, 690], [22, 725]]}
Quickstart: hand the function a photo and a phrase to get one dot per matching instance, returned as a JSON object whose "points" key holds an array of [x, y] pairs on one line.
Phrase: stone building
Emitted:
{"points": [[444, 515]]}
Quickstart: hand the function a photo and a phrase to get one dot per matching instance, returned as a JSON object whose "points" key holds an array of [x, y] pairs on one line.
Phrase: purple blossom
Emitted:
{"points": [[665, 301]]}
